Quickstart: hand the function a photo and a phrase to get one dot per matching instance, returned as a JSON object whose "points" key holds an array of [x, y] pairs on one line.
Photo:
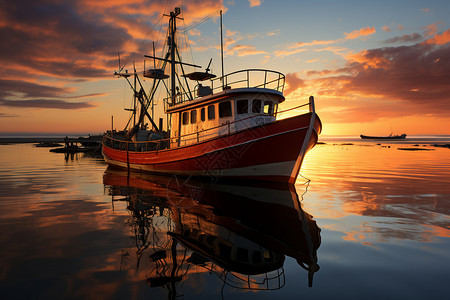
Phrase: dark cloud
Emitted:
{"points": [[2, 115], [408, 80], [87, 95], [25, 90], [407, 38], [57, 39], [418, 73], [29, 89], [46, 103], [78, 38]]}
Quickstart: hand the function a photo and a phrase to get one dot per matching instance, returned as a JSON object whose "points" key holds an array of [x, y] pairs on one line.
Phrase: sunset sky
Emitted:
{"points": [[374, 67]]}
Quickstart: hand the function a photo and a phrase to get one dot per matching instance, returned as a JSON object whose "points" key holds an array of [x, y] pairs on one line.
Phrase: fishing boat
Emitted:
{"points": [[216, 127], [389, 137]]}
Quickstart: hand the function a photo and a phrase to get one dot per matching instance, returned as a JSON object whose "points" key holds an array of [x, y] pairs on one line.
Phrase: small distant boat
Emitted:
{"points": [[389, 137]]}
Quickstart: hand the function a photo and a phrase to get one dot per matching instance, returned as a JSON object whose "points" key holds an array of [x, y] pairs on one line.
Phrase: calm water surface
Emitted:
{"points": [[373, 222]]}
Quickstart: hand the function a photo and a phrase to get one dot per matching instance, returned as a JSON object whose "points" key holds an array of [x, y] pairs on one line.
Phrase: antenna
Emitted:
{"points": [[208, 69], [118, 55]]}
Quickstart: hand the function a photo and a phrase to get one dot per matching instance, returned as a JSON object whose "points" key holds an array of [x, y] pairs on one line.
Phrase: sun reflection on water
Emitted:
{"points": [[397, 194]]}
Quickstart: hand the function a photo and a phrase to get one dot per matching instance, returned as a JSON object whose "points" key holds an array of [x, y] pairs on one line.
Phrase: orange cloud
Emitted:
{"points": [[300, 47], [313, 43], [288, 52], [244, 50], [359, 33], [389, 82], [366, 60], [407, 74], [441, 39], [254, 3], [293, 83], [431, 29]]}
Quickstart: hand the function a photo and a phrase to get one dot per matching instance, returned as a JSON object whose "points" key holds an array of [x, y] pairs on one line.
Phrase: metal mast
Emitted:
{"points": [[221, 45], [173, 28]]}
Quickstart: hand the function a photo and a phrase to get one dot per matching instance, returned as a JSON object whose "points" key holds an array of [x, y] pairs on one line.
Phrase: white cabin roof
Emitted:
{"points": [[221, 95]]}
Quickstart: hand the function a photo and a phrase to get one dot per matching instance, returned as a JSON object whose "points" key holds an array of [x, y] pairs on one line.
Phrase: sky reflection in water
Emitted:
{"points": [[382, 215]]}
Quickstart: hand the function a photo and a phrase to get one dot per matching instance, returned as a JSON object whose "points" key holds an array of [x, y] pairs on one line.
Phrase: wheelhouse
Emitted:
{"points": [[239, 104]]}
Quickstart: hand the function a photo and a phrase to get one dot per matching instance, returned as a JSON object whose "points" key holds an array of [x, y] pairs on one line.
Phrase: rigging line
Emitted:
{"points": [[140, 45], [184, 33], [201, 21], [160, 26]]}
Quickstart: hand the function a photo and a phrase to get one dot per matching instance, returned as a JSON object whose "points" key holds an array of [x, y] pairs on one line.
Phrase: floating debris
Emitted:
{"points": [[47, 145], [415, 149], [442, 145], [70, 149]]}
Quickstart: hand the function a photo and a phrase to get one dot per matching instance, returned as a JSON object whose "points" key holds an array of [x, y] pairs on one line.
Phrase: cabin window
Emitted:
{"points": [[224, 251], [242, 107], [268, 107], [211, 112], [256, 106], [193, 116], [242, 254], [268, 256], [202, 114], [185, 118], [257, 257], [225, 109]]}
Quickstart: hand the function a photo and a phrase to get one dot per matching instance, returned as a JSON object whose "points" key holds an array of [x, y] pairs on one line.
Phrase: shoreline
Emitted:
{"points": [[28, 140]]}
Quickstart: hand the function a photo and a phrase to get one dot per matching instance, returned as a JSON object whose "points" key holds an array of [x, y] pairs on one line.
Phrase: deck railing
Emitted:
{"points": [[249, 78], [226, 128]]}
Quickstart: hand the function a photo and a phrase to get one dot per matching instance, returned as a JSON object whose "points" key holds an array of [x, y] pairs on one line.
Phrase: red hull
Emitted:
{"points": [[272, 152]]}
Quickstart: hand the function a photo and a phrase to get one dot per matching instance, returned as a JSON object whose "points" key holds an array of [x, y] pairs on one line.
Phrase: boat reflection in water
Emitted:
{"points": [[239, 233]]}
